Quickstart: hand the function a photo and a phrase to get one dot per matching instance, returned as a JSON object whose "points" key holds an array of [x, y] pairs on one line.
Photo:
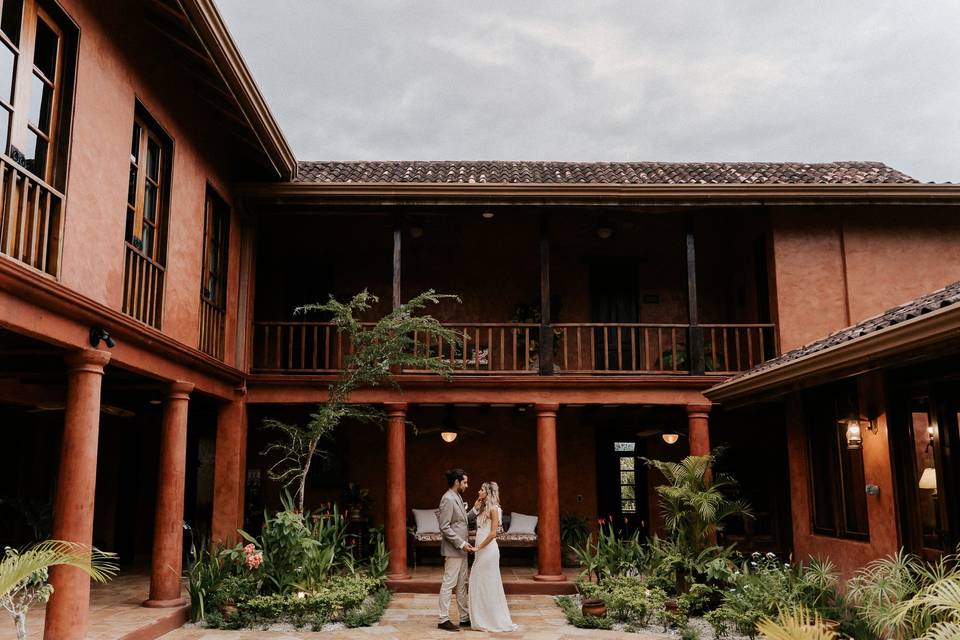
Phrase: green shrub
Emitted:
{"points": [[370, 612], [575, 616]]}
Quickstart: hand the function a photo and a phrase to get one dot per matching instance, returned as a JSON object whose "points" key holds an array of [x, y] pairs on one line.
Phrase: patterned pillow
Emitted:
{"points": [[426, 520], [522, 523]]}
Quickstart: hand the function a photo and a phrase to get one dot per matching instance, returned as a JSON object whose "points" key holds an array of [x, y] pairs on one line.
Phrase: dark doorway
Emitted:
{"points": [[614, 298]]}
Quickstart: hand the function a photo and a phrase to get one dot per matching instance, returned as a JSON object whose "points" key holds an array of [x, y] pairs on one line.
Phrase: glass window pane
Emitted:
{"points": [[41, 98], [11, 18], [624, 446], [8, 62], [626, 477], [135, 146], [4, 128], [627, 464], [149, 202], [628, 493], [148, 240], [925, 441], [153, 160], [132, 187], [45, 51], [129, 230], [35, 154], [628, 506]]}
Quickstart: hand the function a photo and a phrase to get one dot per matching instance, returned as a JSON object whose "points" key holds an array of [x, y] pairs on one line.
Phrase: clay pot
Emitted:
{"points": [[229, 610], [671, 605], [594, 607]]}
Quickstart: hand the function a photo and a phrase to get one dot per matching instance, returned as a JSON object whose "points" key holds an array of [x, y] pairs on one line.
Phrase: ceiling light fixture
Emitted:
{"points": [[670, 438]]}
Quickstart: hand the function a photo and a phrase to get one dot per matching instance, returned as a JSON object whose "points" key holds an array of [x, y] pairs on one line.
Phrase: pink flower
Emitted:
{"points": [[249, 549], [254, 560]]}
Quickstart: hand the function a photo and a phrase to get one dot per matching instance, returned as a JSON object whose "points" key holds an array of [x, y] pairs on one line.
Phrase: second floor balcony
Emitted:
{"points": [[620, 291]]}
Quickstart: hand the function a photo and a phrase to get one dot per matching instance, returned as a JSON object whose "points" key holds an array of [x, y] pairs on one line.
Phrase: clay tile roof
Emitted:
{"points": [[636, 173], [939, 299]]}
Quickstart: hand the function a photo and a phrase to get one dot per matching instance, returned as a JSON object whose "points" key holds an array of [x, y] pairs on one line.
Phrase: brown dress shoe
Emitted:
{"points": [[446, 625]]}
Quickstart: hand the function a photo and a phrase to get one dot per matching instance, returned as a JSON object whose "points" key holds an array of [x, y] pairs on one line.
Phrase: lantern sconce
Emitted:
{"points": [[670, 438], [855, 428]]}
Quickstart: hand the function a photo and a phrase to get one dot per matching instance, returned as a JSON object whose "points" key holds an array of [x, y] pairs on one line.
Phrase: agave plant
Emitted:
{"points": [[23, 574], [796, 625]]}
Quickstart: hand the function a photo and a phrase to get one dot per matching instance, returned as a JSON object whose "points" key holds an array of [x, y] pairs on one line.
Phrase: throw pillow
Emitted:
{"points": [[426, 520], [522, 523]]}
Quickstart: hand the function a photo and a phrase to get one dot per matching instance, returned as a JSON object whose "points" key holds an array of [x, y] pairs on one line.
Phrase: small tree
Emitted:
{"points": [[376, 353], [23, 575]]}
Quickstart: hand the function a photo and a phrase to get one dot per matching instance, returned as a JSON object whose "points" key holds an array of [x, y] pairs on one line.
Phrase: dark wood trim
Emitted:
{"points": [[397, 264], [546, 331]]}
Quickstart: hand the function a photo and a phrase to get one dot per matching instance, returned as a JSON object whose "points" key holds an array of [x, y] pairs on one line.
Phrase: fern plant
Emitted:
{"points": [[799, 624]]}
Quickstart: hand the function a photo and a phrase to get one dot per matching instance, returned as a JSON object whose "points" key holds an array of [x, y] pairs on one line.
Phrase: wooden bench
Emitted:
{"points": [[505, 540]]}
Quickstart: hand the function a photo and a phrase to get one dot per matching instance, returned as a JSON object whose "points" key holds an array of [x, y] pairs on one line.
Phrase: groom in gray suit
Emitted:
{"points": [[454, 521]]}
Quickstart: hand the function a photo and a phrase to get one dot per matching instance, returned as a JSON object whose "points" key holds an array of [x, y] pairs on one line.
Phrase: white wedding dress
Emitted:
{"points": [[488, 604]]}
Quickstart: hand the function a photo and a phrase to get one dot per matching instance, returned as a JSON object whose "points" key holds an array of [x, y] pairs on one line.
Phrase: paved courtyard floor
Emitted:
{"points": [[414, 617]]}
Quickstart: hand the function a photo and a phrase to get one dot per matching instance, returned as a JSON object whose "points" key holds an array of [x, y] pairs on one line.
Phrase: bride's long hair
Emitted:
{"points": [[493, 499]]}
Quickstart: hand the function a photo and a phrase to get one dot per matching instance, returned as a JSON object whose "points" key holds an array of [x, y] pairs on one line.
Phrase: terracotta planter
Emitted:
{"points": [[229, 610], [671, 605], [594, 607]]}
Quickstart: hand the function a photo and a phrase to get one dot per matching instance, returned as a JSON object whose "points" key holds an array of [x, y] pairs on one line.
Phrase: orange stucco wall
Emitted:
{"points": [[847, 555], [837, 266], [120, 60]]}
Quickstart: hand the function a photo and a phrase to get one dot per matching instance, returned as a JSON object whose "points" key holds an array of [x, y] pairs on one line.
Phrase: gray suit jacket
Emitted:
{"points": [[454, 519]]}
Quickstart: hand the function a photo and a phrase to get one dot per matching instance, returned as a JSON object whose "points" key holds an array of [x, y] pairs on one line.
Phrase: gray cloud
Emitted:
{"points": [[684, 80]]}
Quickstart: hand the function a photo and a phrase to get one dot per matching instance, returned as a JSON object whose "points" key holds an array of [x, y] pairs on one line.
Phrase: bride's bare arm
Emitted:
{"points": [[494, 527]]}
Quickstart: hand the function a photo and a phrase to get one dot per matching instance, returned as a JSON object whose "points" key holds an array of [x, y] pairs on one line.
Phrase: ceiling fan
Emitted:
{"points": [[109, 409], [449, 429]]}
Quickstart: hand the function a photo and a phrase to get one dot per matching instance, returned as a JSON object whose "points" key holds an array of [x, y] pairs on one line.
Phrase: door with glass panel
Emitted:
{"points": [[925, 433]]}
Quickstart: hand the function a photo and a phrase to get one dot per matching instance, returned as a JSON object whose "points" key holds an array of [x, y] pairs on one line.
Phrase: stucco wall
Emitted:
{"points": [[121, 60], [837, 266]]}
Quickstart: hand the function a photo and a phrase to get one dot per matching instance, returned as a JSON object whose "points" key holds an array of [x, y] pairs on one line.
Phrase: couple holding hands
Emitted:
{"points": [[480, 598]]}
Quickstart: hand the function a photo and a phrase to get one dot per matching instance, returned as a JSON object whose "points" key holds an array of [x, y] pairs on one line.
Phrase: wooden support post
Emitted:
{"points": [[698, 425], [397, 240], [396, 515], [229, 472], [546, 330], [66, 616], [695, 355]]}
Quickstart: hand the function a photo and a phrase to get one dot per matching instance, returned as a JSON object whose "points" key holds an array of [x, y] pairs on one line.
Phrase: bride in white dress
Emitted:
{"points": [[488, 604]]}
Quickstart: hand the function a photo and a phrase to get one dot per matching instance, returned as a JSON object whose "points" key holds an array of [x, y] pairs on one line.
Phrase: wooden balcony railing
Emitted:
{"points": [[212, 328], [512, 348], [142, 287], [31, 218]]}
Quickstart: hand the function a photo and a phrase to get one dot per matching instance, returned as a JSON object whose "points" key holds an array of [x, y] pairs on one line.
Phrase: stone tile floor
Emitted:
{"points": [[115, 611], [414, 617]]}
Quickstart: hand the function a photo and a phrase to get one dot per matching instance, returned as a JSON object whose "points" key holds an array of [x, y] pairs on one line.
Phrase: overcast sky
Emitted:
{"points": [[740, 80]]}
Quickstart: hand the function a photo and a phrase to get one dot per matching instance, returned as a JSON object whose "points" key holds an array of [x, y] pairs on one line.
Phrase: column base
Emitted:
{"points": [[165, 604], [398, 576], [549, 578]]}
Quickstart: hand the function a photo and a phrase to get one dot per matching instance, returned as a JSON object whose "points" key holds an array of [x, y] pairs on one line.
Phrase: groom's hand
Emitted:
{"points": [[469, 548]]}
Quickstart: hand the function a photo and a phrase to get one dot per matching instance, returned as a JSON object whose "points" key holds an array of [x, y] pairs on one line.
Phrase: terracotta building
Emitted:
{"points": [[157, 233]]}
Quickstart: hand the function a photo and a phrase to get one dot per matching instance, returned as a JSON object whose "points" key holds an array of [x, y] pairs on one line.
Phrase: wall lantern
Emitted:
{"points": [[854, 431], [604, 231], [928, 480], [448, 436], [670, 438], [487, 214]]}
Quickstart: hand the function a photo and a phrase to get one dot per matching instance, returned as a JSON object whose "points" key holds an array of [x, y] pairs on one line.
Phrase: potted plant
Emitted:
{"points": [[574, 532], [357, 500]]}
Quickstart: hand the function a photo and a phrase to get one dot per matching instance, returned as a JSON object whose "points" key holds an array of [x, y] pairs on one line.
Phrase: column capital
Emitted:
{"points": [[546, 408], [395, 409], [698, 410], [90, 360], [179, 390]]}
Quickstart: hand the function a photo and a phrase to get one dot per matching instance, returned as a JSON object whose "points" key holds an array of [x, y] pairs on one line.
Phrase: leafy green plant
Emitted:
{"points": [[374, 354], [23, 574], [574, 530], [379, 559], [798, 624], [575, 616], [370, 612]]}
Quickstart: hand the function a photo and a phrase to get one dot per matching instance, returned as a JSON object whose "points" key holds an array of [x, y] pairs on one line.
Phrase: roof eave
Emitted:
{"points": [[697, 194], [866, 351], [223, 51]]}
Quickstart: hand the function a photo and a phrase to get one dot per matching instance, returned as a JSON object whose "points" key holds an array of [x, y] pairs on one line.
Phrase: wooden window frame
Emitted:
{"points": [[149, 131], [20, 127], [840, 526], [210, 212]]}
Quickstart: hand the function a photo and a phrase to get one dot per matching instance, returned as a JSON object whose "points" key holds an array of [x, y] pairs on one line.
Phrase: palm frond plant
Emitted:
{"points": [[23, 574], [799, 624], [935, 608]]}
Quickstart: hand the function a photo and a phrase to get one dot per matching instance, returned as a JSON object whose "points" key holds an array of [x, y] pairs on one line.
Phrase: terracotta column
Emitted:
{"points": [[66, 617], [396, 515], [166, 564], [698, 424], [548, 526], [229, 475]]}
